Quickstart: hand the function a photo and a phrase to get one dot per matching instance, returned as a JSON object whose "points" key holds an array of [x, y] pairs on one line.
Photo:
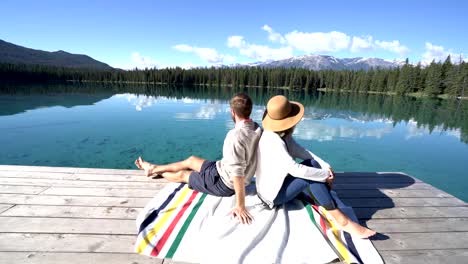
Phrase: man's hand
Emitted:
{"points": [[242, 214], [239, 210]]}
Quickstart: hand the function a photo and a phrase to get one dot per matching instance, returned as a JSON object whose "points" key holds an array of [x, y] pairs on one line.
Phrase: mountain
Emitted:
{"points": [[11, 53], [323, 62]]}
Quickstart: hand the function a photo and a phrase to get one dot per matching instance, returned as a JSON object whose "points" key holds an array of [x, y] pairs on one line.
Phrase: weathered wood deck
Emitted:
{"points": [[77, 215]]}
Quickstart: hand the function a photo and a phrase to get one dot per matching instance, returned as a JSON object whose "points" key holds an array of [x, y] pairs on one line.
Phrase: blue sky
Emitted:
{"points": [[129, 34]]}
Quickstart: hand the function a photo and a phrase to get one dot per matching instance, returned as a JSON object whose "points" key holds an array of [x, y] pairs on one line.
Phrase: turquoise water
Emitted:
{"points": [[108, 127]]}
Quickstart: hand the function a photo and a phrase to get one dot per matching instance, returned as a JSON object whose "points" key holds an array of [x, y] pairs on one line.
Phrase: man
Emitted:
{"points": [[227, 176]]}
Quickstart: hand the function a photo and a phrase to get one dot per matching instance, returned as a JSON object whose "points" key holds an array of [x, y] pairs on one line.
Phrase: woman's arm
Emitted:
{"points": [[297, 151], [284, 159]]}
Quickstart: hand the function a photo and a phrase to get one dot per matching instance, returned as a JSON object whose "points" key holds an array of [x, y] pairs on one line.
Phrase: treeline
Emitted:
{"points": [[434, 80]]}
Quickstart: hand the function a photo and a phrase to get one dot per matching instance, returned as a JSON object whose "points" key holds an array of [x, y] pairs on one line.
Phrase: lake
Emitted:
{"points": [[109, 126]]}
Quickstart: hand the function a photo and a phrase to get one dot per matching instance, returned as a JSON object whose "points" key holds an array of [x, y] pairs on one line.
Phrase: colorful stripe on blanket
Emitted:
{"points": [[345, 247], [174, 222], [157, 234], [330, 232]]}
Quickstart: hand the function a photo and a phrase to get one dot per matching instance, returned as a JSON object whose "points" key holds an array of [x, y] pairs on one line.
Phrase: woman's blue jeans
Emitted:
{"points": [[293, 186]]}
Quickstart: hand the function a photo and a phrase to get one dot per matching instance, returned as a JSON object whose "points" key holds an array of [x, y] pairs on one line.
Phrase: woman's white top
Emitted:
{"points": [[276, 159]]}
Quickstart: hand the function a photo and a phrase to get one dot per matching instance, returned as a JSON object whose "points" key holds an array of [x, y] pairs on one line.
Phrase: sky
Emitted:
{"points": [[129, 34]]}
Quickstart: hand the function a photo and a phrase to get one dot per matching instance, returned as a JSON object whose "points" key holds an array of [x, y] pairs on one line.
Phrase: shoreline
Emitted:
{"points": [[416, 95]]}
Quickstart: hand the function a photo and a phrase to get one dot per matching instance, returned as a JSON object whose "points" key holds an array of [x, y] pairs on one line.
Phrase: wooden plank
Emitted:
{"points": [[67, 225], [68, 170], [140, 177], [72, 211], [374, 177], [108, 171], [80, 176], [114, 192], [36, 168], [425, 256], [402, 181], [416, 241], [391, 193], [5, 207], [400, 202], [411, 212], [72, 200], [22, 189], [67, 242], [71, 183], [35, 174], [418, 225], [370, 186], [75, 258]]}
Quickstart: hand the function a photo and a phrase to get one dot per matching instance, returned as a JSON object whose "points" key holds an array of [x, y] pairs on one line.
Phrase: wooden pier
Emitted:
{"points": [[79, 215]]}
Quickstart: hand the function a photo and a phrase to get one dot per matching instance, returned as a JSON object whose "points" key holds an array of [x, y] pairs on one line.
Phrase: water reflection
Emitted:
{"points": [[379, 112], [310, 129]]}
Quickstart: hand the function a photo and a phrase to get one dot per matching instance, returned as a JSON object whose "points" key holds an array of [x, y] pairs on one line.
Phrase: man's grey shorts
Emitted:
{"points": [[208, 181]]}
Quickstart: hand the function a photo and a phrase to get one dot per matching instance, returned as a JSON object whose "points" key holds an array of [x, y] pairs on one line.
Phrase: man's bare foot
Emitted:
{"points": [[144, 165]]}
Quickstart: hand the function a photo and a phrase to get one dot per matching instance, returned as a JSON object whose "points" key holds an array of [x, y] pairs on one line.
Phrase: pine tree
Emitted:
{"points": [[433, 79], [404, 85], [445, 71]]}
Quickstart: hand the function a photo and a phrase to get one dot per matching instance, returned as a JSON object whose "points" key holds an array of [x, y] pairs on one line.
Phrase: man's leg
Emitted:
{"points": [[180, 176], [192, 163]]}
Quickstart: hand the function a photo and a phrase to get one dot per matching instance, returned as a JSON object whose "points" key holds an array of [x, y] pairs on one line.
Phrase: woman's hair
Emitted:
{"points": [[286, 132]]}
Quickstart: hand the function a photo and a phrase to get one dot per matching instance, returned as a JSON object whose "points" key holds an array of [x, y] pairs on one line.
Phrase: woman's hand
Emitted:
{"points": [[330, 178]]}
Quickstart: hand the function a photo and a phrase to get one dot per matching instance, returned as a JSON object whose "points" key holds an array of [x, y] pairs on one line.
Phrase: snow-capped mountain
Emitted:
{"points": [[324, 62]]}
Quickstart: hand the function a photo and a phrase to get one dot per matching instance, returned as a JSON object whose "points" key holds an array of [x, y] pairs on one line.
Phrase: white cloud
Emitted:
{"points": [[274, 36], [209, 55], [393, 46], [258, 52], [318, 41], [263, 53], [183, 48], [236, 42], [228, 59], [138, 61], [438, 53], [362, 44], [141, 61], [293, 43]]}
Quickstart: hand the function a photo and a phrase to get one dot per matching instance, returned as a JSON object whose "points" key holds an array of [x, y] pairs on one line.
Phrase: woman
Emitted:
{"points": [[280, 178]]}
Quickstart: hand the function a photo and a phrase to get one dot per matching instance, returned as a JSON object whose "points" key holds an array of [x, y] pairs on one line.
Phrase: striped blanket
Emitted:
{"points": [[186, 225]]}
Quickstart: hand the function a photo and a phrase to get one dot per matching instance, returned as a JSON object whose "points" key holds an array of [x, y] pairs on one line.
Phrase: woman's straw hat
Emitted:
{"points": [[282, 114]]}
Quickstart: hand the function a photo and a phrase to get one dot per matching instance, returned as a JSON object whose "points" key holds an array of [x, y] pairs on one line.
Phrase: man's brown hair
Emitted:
{"points": [[241, 104]]}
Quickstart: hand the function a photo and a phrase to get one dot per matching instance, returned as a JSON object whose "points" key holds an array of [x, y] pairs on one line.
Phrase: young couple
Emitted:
{"points": [[270, 156]]}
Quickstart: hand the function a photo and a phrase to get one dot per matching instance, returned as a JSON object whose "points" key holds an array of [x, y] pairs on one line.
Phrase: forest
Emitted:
{"points": [[439, 79]]}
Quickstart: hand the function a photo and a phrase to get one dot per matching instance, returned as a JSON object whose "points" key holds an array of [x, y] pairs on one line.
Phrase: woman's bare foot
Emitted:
{"points": [[358, 230], [350, 226], [144, 165]]}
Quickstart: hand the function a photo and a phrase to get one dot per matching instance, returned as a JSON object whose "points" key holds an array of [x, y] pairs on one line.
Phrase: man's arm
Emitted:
{"points": [[239, 210]]}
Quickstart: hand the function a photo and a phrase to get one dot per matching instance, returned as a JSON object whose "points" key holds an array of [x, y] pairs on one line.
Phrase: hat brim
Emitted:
{"points": [[296, 114]]}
